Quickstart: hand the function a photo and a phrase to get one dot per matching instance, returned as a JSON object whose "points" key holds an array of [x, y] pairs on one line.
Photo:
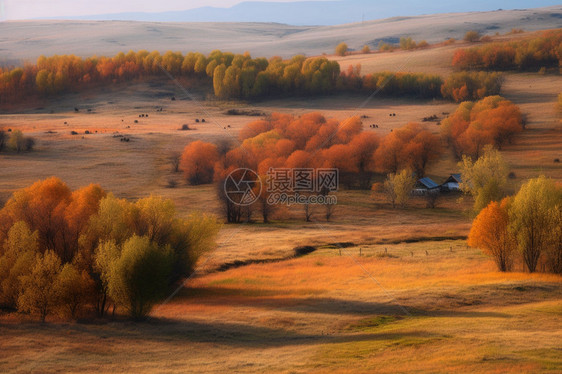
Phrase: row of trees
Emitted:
{"points": [[406, 43], [64, 250], [544, 50], [230, 76], [312, 141], [16, 141], [528, 224], [473, 125], [474, 85]]}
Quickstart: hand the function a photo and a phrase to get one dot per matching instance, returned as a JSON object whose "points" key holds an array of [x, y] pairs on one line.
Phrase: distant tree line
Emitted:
{"points": [[532, 54], [85, 251], [230, 76]]}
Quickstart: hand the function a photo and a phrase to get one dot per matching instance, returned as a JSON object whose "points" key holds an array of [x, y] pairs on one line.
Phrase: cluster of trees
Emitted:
{"points": [[467, 85], [531, 54], [232, 76], [528, 224], [16, 141], [492, 120], [312, 141], [64, 250], [409, 44]]}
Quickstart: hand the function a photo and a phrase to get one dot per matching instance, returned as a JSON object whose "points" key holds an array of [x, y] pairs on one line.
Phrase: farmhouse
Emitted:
{"points": [[452, 183], [424, 186]]}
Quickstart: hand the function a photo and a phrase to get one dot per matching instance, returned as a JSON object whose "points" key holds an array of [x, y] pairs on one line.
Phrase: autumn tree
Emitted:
{"points": [[16, 261], [490, 232], [73, 289], [398, 187], [198, 161], [341, 49], [365, 49], [534, 216], [38, 294], [484, 179]]}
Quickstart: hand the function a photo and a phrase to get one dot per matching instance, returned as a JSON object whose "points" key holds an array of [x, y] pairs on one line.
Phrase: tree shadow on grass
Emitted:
{"points": [[263, 299], [223, 333]]}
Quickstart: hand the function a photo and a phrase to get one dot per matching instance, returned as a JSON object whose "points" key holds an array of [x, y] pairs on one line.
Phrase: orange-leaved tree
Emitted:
{"points": [[198, 161], [490, 232]]}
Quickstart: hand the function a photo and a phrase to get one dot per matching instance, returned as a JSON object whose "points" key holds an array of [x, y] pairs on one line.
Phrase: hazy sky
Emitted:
{"points": [[29, 9], [26, 9]]}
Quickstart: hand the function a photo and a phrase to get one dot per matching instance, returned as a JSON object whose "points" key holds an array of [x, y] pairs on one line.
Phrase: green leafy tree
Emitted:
{"points": [[534, 217], [138, 277], [38, 294]]}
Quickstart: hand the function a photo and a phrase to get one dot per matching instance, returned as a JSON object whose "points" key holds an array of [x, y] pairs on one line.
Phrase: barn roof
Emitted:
{"points": [[428, 183]]}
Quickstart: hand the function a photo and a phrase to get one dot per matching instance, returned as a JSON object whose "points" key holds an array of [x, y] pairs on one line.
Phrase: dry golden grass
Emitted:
{"points": [[323, 313], [319, 313]]}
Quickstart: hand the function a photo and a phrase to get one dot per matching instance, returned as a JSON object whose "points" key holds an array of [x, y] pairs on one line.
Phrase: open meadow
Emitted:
{"points": [[387, 290]]}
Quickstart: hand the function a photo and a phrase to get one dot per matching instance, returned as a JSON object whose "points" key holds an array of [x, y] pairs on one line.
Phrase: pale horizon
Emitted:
{"points": [[82, 9]]}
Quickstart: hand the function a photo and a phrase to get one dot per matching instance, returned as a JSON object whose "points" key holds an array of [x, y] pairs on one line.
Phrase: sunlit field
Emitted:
{"points": [[386, 290]]}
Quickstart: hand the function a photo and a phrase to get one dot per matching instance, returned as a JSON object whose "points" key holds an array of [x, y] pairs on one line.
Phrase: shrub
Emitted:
{"points": [[341, 49], [19, 143], [471, 36], [366, 49]]}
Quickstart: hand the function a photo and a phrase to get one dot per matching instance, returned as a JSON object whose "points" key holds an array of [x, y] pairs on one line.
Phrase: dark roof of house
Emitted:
{"points": [[428, 183], [454, 178]]}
